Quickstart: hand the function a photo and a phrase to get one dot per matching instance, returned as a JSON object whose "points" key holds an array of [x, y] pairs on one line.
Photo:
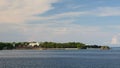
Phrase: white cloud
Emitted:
{"points": [[106, 11], [65, 15], [100, 11], [49, 33], [20, 11], [114, 40], [69, 14], [116, 27], [14, 11]]}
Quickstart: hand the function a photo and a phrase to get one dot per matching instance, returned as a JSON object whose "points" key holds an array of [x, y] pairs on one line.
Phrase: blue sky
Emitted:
{"points": [[87, 21]]}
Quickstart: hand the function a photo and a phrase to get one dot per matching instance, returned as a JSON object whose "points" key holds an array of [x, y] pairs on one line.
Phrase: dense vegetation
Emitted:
{"points": [[6, 45], [62, 45], [14, 45]]}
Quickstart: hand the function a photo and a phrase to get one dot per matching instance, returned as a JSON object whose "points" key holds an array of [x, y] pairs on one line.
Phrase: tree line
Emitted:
{"points": [[14, 45], [62, 45], [6, 45]]}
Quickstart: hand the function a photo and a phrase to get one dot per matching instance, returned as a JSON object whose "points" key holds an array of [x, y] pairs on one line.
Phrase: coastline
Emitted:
{"points": [[49, 46], [46, 49], [58, 49]]}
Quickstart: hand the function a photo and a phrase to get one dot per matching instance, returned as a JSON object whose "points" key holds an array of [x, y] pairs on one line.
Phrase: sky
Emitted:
{"points": [[87, 21]]}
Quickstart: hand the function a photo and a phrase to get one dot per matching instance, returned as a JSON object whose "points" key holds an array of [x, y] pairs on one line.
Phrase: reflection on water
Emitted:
{"points": [[60, 58]]}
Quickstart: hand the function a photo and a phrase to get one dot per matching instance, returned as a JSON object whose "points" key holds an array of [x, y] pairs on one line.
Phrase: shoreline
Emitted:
{"points": [[58, 49], [46, 49]]}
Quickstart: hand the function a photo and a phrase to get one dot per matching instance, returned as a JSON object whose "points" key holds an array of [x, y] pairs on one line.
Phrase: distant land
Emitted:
{"points": [[114, 45], [49, 45]]}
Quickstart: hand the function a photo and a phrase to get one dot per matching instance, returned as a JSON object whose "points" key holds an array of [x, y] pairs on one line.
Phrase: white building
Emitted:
{"points": [[32, 44]]}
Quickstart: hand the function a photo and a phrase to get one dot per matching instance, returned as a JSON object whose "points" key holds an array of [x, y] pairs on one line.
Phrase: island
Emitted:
{"points": [[48, 45]]}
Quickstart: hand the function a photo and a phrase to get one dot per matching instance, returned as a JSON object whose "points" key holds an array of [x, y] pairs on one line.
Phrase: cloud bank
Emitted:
{"points": [[19, 11], [16, 15]]}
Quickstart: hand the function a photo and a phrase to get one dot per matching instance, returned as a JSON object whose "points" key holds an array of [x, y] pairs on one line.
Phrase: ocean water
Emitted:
{"points": [[60, 58]]}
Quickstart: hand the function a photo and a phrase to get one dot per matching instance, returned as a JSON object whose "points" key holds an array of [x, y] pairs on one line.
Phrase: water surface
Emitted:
{"points": [[60, 58]]}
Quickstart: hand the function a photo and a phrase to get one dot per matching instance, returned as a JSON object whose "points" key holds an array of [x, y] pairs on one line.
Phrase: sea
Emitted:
{"points": [[91, 58]]}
